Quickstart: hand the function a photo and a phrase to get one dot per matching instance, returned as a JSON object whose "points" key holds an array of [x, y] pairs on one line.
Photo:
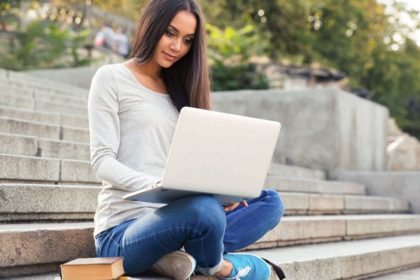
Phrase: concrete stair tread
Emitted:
{"points": [[22, 80], [345, 260], [43, 96], [329, 258], [10, 111], [59, 102], [295, 171], [286, 219], [24, 145], [42, 104], [408, 274], [37, 169], [35, 93], [39, 202], [49, 131], [28, 227], [320, 229], [40, 123], [296, 202], [313, 185], [84, 174]]}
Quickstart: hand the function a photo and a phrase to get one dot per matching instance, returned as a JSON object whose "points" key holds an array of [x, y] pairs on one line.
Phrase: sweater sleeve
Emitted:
{"points": [[104, 128]]}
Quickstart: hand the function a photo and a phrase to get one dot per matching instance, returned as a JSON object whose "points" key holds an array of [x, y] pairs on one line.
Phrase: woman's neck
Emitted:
{"points": [[149, 68]]}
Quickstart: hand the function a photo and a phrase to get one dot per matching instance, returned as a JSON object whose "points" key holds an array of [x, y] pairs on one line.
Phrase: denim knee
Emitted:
{"points": [[207, 212], [274, 201]]}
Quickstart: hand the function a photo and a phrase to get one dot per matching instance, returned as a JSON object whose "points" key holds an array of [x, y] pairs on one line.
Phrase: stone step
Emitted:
{"points": [[346, 260], [32, 168], [37, 94], [295, 230], [48, 131], [37, 248], [314, 204], [44, 117], [408, 274], [313, 185], [296, 171], [37, 202], [36, 169], [23, 81], [42, 104], [42, 202], [43, 246], [32, 146]]}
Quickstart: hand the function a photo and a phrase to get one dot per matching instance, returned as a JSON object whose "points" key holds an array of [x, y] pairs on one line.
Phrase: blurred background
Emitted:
{"points": [[348, 175], [368, 47]]}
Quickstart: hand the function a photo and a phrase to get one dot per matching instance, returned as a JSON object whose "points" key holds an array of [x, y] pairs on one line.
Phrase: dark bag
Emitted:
{"points": [[276, 269]]}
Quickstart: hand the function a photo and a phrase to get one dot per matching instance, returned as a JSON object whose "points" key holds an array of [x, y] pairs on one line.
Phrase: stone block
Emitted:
{"points": [[326, 203], [30, 115], [63, 149], [400, 206], [22, 127], [318, 126], [309, 229], [24, 244], [60, 108], [17, 101], [295, 203], [374, 204], [77, 171], [295, 171], [3, 73], [75, 134], [80, 76], [313, 269], [382, 225], [74, 121], [35, 198], [18, 145], [370, 263], [59, 98], [313, 186], [29, 168], [402, 184]]}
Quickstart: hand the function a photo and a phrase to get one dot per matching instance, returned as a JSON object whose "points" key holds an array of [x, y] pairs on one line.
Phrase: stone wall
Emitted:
{"points": [[403, 149], [403, 184], [324, 129]]}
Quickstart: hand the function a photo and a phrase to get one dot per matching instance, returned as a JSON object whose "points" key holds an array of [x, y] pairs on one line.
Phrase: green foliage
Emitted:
{"points": [[356, 37], [44, 44], [237, 77], [230, 51]]}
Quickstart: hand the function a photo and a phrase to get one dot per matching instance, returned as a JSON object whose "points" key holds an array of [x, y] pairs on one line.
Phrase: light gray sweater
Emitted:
{"points": [[131, 129]]}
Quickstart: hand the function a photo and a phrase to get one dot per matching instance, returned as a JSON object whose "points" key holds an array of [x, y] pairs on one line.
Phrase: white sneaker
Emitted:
{"points": [[178, 265]]}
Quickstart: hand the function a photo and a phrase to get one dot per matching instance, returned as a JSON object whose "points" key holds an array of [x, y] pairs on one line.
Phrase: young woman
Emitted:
{"points": [[133, 110]]}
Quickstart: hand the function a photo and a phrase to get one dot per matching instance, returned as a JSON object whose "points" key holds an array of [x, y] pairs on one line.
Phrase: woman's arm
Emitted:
{"points": [[104, 128]]}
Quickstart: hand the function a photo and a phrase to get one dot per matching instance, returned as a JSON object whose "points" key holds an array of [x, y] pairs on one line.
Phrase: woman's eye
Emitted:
{"points": [[188, 41], [169, 33]]}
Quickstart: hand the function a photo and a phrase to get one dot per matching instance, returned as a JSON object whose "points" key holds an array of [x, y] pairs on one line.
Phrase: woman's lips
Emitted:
{"points": [[169, 57]]}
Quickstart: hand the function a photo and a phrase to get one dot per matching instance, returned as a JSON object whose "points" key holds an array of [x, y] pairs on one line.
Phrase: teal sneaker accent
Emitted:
{"points": [[247, 267]]}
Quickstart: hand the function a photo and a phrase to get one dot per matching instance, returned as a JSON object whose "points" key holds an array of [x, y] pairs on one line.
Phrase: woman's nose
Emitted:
{"points": [[176, 45]]}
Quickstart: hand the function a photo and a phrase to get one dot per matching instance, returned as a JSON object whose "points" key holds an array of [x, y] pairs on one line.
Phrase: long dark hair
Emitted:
{"points": [[187, 81]]}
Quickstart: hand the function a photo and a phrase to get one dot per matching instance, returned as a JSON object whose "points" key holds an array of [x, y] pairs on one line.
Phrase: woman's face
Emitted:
{"points": [[177, 39]]}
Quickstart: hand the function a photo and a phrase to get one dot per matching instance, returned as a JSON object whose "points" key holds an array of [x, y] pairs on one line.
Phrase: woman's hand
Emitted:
{"points": [[233, 206]]}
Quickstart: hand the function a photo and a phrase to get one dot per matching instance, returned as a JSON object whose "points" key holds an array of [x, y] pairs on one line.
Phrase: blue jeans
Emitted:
{"points": [[197, 223]]}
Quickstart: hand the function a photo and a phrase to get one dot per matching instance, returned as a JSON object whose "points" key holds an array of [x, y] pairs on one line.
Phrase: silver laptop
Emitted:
{"points": [[215, 153]]}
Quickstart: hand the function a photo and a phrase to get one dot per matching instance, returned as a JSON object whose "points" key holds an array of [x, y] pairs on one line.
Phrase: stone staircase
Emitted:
{"points": [[331, 230]]}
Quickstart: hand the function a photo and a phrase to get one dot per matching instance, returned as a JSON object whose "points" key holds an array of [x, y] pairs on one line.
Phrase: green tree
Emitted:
{"points": [[230, 51]]}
